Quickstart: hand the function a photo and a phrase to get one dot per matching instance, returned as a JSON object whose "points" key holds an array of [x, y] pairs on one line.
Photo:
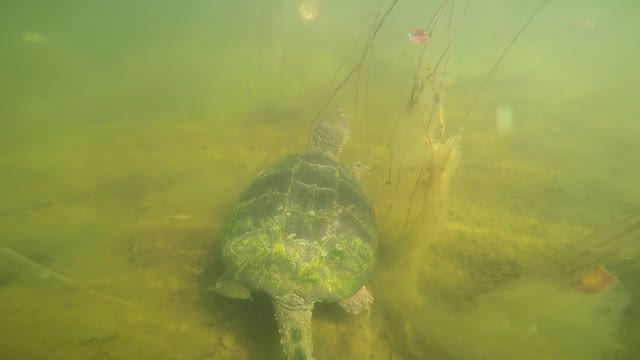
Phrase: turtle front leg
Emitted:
{"points": [[231, 288], [360, 170], [358, 302]]}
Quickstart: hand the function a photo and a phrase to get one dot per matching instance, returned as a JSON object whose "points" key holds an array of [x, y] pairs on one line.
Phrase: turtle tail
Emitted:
{"points": [[293, 314]]}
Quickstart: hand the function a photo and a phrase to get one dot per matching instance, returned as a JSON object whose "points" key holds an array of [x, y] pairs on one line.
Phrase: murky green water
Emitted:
{"points": [[128, 129]]}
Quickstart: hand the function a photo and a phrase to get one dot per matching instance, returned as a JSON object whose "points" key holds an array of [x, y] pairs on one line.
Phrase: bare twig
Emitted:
{"points": [[355, 68]]}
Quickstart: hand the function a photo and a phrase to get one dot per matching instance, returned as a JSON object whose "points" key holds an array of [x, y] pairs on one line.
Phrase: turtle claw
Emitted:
{"points": [[358, 302]]}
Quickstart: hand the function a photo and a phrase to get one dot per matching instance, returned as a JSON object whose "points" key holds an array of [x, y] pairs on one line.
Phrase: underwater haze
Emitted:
{"points": [[128, 130]]}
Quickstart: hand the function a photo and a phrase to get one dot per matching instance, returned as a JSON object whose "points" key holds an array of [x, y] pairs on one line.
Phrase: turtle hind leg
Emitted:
{"points": [[360, 301], [231, 288]]}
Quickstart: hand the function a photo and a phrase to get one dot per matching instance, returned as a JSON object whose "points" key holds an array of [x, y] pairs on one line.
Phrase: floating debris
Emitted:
{"points": [[595, 281], [419, 36], [308, 10]]}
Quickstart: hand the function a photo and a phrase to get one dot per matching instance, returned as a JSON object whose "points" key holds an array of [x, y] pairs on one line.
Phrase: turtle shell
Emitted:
{"points": [[305, 226]]}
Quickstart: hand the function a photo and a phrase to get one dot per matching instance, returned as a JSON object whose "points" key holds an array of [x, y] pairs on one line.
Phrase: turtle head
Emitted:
{"points": [[331, 133]]}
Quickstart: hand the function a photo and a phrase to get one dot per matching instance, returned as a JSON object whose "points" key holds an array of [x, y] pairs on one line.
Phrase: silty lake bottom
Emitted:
{"points": [[128, 132]]}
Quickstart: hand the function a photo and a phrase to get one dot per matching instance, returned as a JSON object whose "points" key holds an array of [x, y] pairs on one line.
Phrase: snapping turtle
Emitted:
{"points": [[302, 232]]}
